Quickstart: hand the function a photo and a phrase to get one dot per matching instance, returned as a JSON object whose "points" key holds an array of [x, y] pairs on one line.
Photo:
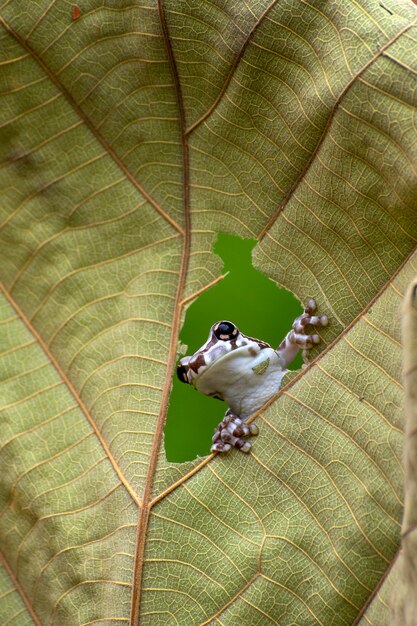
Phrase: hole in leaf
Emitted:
{"points": [[258, 307]]}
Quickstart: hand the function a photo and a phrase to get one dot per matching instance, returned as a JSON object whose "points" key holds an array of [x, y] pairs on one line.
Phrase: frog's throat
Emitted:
{"points": [[225, 357]]}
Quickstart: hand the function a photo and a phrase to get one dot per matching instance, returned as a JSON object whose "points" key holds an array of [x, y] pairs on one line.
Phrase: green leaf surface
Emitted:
{"points": [[131, 134]]}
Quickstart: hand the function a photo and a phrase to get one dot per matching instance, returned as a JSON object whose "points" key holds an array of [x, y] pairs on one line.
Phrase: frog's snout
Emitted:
{"points": [[182, 370]]}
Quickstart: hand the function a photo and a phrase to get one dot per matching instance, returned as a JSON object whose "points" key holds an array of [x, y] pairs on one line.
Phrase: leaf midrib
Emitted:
{"points": [[143, 519]]}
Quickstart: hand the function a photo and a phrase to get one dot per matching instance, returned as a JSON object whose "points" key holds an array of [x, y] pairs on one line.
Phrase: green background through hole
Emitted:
{"points": [[258, 307]]}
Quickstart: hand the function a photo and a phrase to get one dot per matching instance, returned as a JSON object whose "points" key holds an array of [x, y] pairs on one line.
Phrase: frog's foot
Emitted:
{"points": [[298, 335], [308, 318], [229, 434], [298, 338]]}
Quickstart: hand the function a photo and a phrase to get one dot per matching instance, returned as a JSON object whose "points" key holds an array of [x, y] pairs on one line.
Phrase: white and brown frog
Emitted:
{"points": [[245, 372]]}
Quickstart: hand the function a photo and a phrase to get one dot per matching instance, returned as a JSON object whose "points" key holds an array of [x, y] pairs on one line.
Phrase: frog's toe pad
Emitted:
{"points": [[244, 446], [324, 320], [220, 446]]}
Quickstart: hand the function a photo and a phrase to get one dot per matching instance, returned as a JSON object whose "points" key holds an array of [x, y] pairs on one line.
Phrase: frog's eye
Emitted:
{"points": [[182, 373], [225, 331]]}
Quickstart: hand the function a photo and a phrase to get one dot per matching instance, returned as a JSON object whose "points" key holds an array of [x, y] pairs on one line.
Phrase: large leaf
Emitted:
{"points": [[132, 134]]}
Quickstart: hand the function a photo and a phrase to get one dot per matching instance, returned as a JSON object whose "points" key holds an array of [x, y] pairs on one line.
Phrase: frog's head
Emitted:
{"points": [[223, 340]]}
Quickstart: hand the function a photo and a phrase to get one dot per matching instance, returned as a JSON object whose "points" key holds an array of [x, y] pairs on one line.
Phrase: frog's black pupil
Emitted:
{"points": [[225, 328]]}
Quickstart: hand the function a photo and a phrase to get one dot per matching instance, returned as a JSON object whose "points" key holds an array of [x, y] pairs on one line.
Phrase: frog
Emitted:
{"points": [[245, 372]]}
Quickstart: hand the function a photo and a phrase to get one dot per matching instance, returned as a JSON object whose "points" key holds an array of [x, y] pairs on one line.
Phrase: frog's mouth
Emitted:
{"points": [[204, 360]]}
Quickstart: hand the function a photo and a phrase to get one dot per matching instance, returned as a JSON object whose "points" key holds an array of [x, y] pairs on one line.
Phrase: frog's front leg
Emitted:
{"points": [[297, 337], [230, 432]]}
